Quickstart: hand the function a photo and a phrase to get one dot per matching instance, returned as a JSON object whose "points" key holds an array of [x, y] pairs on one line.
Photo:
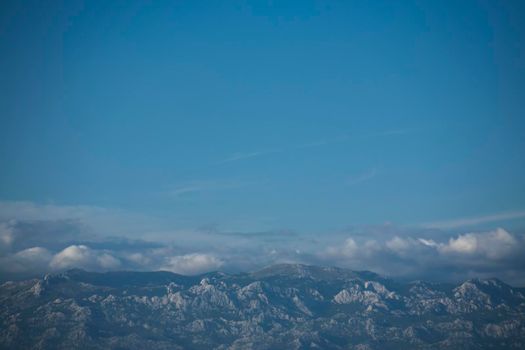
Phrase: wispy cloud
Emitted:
{"points": [[247, 155], [361, 177], [238, 156], [201, 186], [184, 189], [100, 219], [322, 142], [394, 132], [472, 221]]}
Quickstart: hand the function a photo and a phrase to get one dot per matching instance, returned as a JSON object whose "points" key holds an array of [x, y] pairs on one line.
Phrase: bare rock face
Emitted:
{"points": [[281, 307]]}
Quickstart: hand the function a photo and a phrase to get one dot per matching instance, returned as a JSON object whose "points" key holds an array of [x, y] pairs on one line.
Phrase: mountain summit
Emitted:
{"points": [[280, 307]]}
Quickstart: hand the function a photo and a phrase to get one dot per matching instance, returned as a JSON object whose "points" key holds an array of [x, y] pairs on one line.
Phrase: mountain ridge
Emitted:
{"points": [[285, 306]]}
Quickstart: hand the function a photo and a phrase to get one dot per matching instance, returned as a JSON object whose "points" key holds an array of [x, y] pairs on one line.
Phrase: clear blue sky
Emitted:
{"points": [[268, 114]]}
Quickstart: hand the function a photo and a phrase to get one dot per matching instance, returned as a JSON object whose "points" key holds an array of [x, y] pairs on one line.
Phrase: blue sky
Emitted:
{"points": [[260, 116]]}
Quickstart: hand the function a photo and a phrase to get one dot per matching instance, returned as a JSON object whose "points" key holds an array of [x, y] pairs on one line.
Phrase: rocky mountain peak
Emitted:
{"points": [[283, 306]]}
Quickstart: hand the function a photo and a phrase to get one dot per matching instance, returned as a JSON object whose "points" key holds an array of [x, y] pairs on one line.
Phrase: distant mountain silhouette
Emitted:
{"points": [[287, 306]]}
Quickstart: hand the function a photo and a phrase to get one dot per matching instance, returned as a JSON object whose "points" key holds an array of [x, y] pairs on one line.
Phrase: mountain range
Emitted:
{"points": [[287, 306]]}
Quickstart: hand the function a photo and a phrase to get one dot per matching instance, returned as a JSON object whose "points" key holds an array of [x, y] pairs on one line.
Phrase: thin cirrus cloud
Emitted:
{"points": [[368, 175], [206, 186], [473, 221], [392, 132], [96, 218], [246, 155], [322, 142], [238, 156]]}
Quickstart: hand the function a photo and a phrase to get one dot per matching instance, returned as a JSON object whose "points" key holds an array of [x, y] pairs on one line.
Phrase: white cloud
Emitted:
{"points": [[82, 256], [428, 242], [398, 244], [107, 261], [495, 253], [72, 256], [348, 249], [34, 254], [6, 235], [31, 260], [36, 246], [139, 259], [493, 245], [191, 264], [464, 244]]}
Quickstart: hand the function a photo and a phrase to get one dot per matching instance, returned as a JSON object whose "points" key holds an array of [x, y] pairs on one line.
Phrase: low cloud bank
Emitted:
{"points": [[475, 254], [191, 264], [83, 257], [31, 248]]}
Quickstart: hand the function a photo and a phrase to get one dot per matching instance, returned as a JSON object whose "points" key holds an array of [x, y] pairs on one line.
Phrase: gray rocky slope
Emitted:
{"points": [[280, 307]]}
